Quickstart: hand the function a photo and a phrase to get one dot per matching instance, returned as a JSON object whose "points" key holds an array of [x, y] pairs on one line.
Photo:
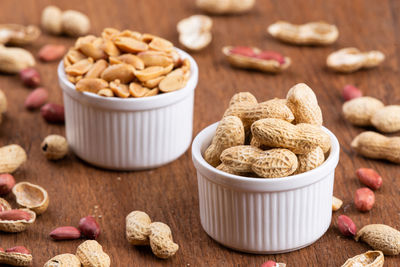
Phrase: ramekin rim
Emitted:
{"points": [[193, 78]]}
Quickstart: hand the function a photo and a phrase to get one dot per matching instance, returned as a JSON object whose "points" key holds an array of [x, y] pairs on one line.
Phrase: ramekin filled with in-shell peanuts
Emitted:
{"points": [[128, 99], [265, 173]]}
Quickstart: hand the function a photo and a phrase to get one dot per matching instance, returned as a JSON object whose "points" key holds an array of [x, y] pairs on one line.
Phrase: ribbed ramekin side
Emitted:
{"points": [[265, 222]]}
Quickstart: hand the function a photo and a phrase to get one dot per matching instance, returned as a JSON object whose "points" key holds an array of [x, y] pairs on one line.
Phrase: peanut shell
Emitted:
{"points": [[17, 226], [240, 158], [230, 132], [310, 160], [63, 260], [360, 110], [138, 228], [91, 254], [376, 146], [31, 196], [367, 259], [16, 258], [161, 242], [300, 139], [387, 119], [304, 104], [11, 157], [380, 237], [275, 163]]}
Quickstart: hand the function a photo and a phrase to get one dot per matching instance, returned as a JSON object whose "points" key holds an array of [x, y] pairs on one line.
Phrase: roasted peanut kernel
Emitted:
{"points": [[91, 85], [132, 34], [110, 48], [160, 44], [172, 83], [152, 92], [195, 32], [80, 67], [136, 90], [110, 33], [122, 72], [119, 89], [153, 82], [93, 49], [130, 45], [97, 69], [149, 73], [155, 58], [74, 56], [105, 92], [130, 59]]}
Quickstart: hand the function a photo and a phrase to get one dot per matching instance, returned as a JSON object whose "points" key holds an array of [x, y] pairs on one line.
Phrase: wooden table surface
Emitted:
{"points": [[169, 193]]}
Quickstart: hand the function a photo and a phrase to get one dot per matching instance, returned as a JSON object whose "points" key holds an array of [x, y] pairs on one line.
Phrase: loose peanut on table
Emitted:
{"points": [[14, 59], [31, 196], [195, 32], [255, 58], [91, 254], [15, 34], [380, 237], [376, 146], [336, 203], [125, 64], [63, 260], [346, 226], [14, 221], [16, 256], [359, 111], [11, 158], [313, 33], [225, 7], [54, 147], [351, 59], [141, 231]]}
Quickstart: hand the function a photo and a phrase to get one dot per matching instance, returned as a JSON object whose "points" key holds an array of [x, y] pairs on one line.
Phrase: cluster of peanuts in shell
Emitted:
{"points": [[271, 139], [125, 64]]}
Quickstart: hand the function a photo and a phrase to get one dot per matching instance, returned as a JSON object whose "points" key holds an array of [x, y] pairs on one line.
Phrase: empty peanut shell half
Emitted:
{"points": [[31, 196], [14, 221], [254, 58], [195, 32], [368, 259], [15, 34], [15, 258], [313, 33], [351, 59]]}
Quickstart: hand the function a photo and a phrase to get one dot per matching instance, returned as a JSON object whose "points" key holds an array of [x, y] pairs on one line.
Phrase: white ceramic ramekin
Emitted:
{"points": [[264, 215], [132, 133]]}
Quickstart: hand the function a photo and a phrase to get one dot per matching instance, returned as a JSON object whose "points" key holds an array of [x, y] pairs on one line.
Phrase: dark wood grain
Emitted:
{"points": [[169, 194]]}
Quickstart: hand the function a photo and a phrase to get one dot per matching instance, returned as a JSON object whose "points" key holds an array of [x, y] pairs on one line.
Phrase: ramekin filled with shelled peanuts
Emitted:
{"points": [[265, 173], [128, 99]]}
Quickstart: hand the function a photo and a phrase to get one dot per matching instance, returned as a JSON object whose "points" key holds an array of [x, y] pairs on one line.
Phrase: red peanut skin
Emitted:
{"points": [[65, 233], [14, 215], [264, 55], [7, 182], [51, 52], [53, 113], [89, 227], [19, 249], [30, 77], [364, 199], [2, 250], [269, 264], [36, 99], [243, 51], [369, 177], [350, 92], [346, 226]]}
